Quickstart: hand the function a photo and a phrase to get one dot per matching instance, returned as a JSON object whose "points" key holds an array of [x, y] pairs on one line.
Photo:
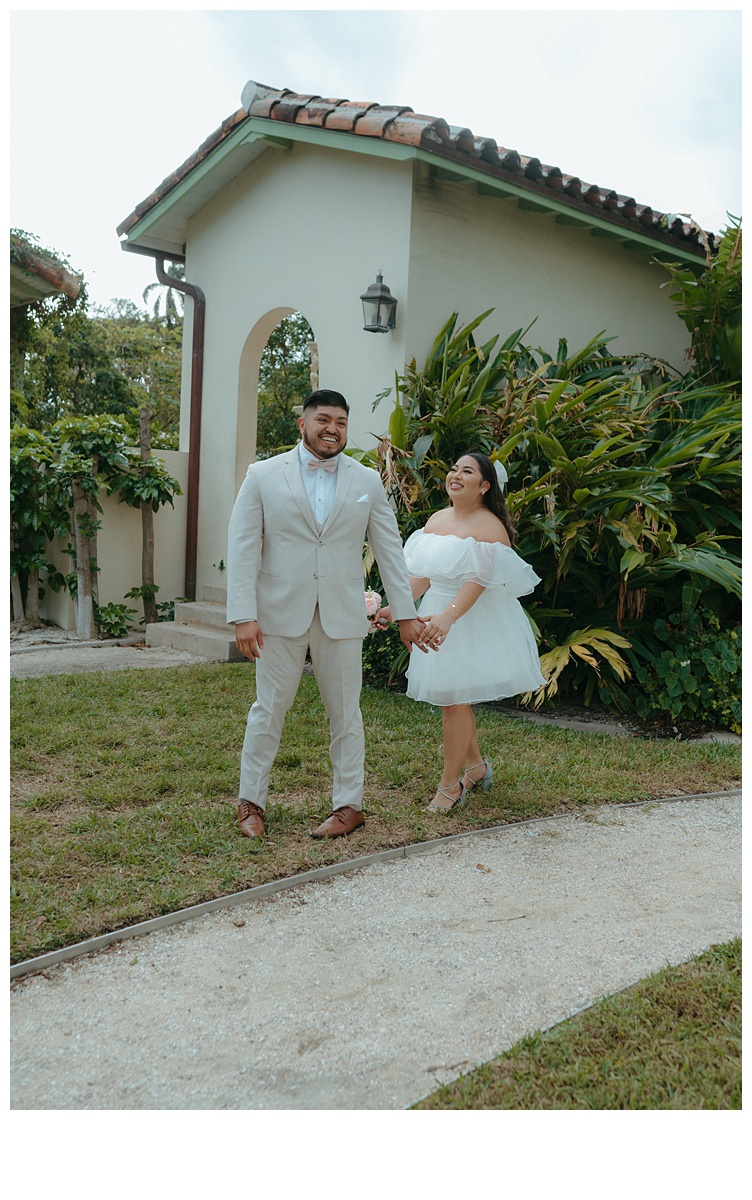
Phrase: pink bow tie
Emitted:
{"points": [[329, 464]]}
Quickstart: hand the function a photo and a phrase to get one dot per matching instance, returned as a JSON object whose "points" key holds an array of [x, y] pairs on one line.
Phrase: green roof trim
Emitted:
{"points": [[255, 129]]}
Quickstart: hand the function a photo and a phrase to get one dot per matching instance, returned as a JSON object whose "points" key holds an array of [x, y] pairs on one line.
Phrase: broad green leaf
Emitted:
{"points": [[397, 427], [421, 447]]}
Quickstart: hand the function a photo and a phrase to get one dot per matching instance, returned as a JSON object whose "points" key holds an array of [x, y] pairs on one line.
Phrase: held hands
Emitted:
{"points": [[249, 639], [411, 631], [436, 628]]}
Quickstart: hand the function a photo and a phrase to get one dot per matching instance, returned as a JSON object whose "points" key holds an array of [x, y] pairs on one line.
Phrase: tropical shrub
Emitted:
{"points": [[113, 620], [624, 484], [710, 305], [383, 654], [696, 677]]}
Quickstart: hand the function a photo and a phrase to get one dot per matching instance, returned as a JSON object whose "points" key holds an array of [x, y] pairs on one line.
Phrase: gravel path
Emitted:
{"points": [[365, 990], [34, 662]]}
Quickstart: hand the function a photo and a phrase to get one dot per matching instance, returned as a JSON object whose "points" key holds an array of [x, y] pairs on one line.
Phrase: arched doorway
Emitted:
{"points": [[278, 367]]}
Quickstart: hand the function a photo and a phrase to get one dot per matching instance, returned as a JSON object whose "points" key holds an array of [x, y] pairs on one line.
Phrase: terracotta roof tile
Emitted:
{"points": [[487, 150], [289, 107], [463, 140], [593, 196], [509, 160], [533, 168], [414, 129], [347, 114], [374, 122], [262, 104], [394, 123], [572, 186], [316, 112]]}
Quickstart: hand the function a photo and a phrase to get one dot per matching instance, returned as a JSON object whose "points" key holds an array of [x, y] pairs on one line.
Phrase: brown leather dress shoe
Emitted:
{"points": [[341, 822], [251, 819]]}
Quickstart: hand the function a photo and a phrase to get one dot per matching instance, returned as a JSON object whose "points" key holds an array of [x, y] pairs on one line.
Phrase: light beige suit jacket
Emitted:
{"points": [[280, 565]]}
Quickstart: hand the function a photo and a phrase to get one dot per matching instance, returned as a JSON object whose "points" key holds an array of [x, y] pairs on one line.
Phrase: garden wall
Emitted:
{"points": [[119, 552]]}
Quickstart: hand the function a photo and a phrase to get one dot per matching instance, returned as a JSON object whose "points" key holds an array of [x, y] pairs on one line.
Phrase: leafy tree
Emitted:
{"points": [[109, 362], [89, 383], [38, 513], [92, 452], [28, 321], [147, 355], [284, 381], [146, 485]]}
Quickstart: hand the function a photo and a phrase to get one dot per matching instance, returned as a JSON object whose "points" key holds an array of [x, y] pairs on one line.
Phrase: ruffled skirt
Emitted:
{"points": [[489, 653]]}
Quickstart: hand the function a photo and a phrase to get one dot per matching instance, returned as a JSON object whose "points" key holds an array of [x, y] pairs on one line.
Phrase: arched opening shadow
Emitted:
{"points": [[248, 387]]}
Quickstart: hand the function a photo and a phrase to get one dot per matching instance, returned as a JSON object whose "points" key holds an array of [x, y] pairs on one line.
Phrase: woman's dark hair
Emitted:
{"points": [[494, 497]]}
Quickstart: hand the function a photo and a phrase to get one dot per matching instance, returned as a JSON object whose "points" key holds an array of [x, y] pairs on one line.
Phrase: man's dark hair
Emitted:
{"points": [[325, 397]]}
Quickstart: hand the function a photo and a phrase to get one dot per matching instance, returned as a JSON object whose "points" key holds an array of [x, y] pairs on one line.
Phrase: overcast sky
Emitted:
{"points": [[106, 104]]}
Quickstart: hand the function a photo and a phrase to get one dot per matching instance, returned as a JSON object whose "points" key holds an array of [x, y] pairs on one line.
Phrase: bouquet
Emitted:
{"points": [[373, 604]]}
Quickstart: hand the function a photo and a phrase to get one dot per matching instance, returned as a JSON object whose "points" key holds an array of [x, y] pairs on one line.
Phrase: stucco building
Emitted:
{"points": [[296, 202]]}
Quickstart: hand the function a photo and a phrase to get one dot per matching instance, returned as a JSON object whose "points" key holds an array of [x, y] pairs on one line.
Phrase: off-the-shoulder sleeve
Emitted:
{"points": [[415, 559], [492, 565]]}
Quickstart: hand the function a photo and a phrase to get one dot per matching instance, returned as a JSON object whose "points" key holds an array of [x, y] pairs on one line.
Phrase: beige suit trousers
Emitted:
{"points": [[337, 665]]}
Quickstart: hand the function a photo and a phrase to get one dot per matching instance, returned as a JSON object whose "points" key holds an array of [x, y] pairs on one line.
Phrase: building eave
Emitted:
{"points": [[35, 277], [279, 119]]}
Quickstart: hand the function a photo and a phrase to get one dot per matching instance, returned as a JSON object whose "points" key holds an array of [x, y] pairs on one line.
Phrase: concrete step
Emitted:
{"points": [[202, 612], [214, 595], [201, 640]]}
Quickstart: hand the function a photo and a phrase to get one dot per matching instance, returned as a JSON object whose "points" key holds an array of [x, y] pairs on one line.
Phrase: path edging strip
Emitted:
{"points": [[262, 890]]}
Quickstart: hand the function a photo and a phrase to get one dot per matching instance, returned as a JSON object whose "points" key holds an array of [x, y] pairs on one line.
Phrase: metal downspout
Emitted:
{"points": [[197, 386], [194, 429]]}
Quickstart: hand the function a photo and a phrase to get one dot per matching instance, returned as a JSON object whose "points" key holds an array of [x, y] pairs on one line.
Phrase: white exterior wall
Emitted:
{"points": [[119, 551], [307, 229], [302, 230], [469, 253]]}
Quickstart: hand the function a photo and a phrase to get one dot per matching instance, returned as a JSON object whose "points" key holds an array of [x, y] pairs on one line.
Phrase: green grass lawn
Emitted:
{"points": [[673, 1041], [124, 789]]}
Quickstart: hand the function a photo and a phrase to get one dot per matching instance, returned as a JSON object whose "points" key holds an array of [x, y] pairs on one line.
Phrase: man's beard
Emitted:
{"points": [[325, 451]]}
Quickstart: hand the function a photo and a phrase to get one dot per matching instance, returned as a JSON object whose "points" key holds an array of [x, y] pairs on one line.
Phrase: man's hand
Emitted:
{"points": [[411, 631], [382, 619], [249, 639]]}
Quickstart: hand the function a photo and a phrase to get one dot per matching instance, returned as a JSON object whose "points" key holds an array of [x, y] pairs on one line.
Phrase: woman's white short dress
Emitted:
{"points": [[490, 652]]}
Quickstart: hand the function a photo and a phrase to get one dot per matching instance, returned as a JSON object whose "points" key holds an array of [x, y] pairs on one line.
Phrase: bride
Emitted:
{"points": [[464, 566]]}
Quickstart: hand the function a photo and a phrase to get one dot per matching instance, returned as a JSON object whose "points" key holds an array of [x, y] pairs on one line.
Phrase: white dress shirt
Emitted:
{"points": [[320, 485]]}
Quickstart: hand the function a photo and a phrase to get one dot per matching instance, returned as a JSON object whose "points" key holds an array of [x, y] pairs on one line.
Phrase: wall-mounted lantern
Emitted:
{"points": [[379, 307]]}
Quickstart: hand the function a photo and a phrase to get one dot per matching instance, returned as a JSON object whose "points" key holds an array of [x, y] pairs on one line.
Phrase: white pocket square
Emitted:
{"points": [[363, 499]]}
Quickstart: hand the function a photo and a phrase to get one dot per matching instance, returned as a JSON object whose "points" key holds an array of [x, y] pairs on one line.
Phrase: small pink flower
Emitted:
{"points": [[373, 602]]}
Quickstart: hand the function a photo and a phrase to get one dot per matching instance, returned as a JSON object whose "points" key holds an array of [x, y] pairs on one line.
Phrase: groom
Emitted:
{"points": [[295, 585]]}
